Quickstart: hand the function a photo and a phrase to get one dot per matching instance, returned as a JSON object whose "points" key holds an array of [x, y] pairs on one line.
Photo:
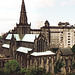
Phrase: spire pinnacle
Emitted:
{"points": [[23, 16], [22, 1]]}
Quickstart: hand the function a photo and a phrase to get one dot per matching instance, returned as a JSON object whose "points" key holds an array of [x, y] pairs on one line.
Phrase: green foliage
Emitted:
{"points": [[47, 74], [59, 65], [12, 67], [72, 74], [1, 71], [73, 48], [54, 50], [38, 71], [27, 72], [1, 37], [73, 65], [23, 71]]}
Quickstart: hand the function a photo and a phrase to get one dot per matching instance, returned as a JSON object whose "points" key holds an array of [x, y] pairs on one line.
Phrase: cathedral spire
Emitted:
{"points": [[23, 16]]}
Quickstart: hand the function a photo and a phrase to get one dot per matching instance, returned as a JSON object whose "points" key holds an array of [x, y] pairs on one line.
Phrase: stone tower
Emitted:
{"points": [[46, 32], [23, 27], [23, 16]]}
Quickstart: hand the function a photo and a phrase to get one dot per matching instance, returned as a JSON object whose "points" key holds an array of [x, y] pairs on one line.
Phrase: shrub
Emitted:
{"points": [[59, 65], [1, 71], [38, 71], [12, 67], [73, 48], [27, 72], [73, 65]]}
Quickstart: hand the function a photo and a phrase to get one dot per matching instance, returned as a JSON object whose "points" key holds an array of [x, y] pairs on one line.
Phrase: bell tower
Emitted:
{"points": [[23, 27]]}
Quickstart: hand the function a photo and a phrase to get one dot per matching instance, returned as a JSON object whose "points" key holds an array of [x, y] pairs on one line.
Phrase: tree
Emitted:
{"points": [[12, 67], [27, 71], [55, 49], [59, 65], [73, 48], [73, 65], [38, 71], [1, 71], [24, 71]]}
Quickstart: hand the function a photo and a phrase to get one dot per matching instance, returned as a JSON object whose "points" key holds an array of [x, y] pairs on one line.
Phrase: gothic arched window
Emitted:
{"points": [[40, 45]]}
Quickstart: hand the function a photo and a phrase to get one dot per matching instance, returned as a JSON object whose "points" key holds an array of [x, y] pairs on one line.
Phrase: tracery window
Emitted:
{"points": [[40, 45]]}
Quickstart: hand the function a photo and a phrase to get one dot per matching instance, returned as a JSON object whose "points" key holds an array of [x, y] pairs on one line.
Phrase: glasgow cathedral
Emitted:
{"points": [[34, 47]]}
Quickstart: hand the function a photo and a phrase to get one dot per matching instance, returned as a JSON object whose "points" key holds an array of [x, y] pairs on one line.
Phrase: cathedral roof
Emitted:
{"points": [[6, 45], [24, 49], [30, 37], [16, 36], [42, 53], [66, 51], [26, 38]]}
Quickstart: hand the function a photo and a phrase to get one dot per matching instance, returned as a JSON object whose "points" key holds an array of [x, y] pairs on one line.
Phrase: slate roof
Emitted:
{"points": [[24, 49], [66, 51], [6, 45], [30, 37], [9, 36], [42, 53]]}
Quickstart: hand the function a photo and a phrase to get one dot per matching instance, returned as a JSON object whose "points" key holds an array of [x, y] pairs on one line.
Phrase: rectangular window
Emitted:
{"points": [[68, 36], [68, 33], [68, 44], [61, 37], [68, 41]]}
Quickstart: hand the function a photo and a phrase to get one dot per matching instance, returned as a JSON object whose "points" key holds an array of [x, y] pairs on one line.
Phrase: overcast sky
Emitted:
{"points": [[37, 12]]}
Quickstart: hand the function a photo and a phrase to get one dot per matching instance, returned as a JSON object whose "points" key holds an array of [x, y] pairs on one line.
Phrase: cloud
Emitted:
{"points": [[9, 3], [68, 2], [64, 3], [40, 3], [35, 20], [45, 3]]}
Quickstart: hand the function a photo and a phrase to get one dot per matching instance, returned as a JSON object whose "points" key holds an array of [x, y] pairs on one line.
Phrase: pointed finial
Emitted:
{"points": [[47, 23], [12, 35], [23, 7], [22, 1], [23, 16]]}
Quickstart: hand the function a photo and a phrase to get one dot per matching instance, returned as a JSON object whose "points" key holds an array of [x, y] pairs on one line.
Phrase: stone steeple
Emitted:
{"points": [[23, 27], [23, 16]]}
